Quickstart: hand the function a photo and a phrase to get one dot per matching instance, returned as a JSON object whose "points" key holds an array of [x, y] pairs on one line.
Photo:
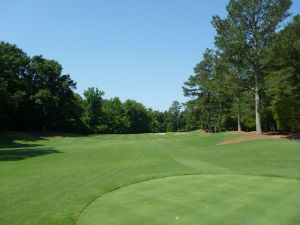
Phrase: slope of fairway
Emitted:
{"points": [[199, 200], [47, 181]]}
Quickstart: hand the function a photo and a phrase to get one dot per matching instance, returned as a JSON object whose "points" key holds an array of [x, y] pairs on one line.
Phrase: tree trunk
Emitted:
{"points": [[44, 119], [272, 127], [257, 109], [239, 114], [209, 123], [220, 117]]}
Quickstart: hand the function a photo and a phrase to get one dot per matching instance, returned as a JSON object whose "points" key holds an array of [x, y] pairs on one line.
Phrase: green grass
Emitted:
{"points": [[199, 199], [97, 180]]}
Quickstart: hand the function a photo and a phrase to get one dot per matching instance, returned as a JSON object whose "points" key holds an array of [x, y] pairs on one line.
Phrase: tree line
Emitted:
{"points": [[251, 80], [36, 96]]}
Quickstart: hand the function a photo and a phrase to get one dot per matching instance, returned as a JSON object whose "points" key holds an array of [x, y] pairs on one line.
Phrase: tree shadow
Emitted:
{"points": [[18, 140], [293, 136], [16, 146], [23, 153], [52, 134]]}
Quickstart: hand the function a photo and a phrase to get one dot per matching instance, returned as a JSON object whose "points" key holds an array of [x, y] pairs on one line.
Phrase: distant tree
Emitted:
{"points": [[235, 82], [51, 96], [46, 102], [93, 100], [138, 116], [114, 118], [201, 86], [246, 32], [73, 115], [220, 90], [14, 65], [157, 121], [193, 115], [173, 119]]}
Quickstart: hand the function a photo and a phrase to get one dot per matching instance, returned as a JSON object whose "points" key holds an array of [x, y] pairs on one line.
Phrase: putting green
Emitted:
{"points": [[199, 200]]}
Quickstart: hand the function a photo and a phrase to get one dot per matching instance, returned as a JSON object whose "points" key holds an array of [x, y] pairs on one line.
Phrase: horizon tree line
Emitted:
{"points": [[36, 96], [250, 81]]}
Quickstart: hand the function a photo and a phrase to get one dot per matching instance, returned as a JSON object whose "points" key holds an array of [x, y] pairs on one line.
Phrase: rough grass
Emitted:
{"points": [[52, 181]]}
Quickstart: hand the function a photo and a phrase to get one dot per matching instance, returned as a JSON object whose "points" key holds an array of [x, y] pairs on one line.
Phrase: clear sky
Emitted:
{"points": [[137, 49]]}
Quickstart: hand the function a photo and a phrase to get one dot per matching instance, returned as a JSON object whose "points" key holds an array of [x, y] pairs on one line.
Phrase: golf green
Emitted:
{"points": [[199, 200]]}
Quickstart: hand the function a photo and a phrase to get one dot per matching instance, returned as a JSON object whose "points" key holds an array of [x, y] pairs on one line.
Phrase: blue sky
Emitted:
{"points": [[135, 49]]}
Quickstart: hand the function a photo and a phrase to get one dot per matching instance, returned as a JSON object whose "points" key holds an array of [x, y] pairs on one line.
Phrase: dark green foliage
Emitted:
{"points": [[158, 121], [35, 95], [200, 86], [173, 119], [51, 96], [252, 62], [130, 117], [283, 81], [114, 119], [14, 64], [138, 117], [93, 105], [245, 34], [208, 87], [192, 116]]}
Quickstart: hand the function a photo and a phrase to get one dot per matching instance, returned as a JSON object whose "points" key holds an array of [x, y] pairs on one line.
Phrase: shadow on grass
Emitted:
{"points": [[293, 136], [16, 146], [18, 140], [20, 154], [51, 134]]}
